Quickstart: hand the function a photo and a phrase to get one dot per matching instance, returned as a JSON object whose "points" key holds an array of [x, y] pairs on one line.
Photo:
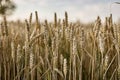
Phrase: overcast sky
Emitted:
{"points": [[84, 10]]}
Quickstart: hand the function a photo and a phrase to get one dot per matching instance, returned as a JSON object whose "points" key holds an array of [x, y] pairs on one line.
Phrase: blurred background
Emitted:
{"points": [[83, 10]]}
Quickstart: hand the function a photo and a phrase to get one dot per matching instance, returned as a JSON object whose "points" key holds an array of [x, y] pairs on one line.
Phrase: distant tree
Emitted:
{"points": [[6, 7], [117, 2]]}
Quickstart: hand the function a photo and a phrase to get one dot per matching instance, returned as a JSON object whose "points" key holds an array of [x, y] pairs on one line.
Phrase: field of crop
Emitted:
{"points": [[59, 50]]}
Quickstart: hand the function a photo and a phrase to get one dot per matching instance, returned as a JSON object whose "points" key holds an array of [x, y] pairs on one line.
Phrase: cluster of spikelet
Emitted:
{"points": [[60, 50]]}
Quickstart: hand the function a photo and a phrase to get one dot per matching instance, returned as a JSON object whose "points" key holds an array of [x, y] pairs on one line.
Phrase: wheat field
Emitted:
{"points": [[59, 50]]}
